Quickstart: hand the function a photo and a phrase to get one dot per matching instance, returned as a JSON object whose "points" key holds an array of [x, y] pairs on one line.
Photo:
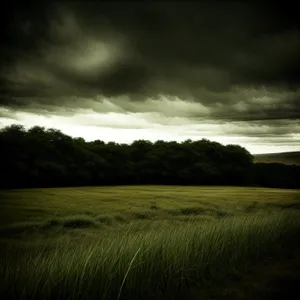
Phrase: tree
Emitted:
{"points": [[40, 157]]}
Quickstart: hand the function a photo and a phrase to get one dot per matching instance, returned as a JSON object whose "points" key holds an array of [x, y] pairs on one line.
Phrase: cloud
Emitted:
{"points": [[239, 103], [214, 68], [149, 50]]}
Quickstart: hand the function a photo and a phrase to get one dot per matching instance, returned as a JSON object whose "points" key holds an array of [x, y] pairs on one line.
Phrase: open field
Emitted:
{"points": [[287, 158], [140, 242], [139, 202]]}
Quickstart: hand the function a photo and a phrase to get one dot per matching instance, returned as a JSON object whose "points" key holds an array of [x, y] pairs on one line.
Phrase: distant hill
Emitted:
{"points": [[287, 158]]}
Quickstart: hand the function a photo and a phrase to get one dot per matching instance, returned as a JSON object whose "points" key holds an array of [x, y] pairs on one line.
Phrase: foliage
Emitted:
{"points": [[41, 157], [277, 175]]}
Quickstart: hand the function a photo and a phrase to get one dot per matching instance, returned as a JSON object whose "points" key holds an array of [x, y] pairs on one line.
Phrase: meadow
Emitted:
{"points": [[141, 242]]}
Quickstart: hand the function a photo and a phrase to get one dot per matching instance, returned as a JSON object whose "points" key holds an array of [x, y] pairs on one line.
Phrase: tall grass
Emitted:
{"points": [[162, 262]]}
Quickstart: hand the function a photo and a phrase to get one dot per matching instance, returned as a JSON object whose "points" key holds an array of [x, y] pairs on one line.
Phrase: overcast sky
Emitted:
{"points": [[121, 72]]}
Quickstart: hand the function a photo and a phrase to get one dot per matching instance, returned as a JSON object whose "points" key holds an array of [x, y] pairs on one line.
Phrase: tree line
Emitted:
{"points": [[40, 157]]}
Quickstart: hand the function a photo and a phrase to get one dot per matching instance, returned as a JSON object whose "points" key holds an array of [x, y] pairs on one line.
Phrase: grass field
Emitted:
{"points": [[140, 242]]}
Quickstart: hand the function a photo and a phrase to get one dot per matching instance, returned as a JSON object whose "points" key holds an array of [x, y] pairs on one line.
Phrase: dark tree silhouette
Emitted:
{"points": [[41, 157]]}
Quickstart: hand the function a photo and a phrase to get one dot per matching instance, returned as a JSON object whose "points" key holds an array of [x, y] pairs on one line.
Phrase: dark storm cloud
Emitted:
{"points": [[206, 53], [269, 106], [277, 129]]}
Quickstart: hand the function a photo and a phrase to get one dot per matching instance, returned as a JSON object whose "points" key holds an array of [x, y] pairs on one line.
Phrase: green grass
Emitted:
{"points": [[128, 201], [146, 242], [162, 261]]}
